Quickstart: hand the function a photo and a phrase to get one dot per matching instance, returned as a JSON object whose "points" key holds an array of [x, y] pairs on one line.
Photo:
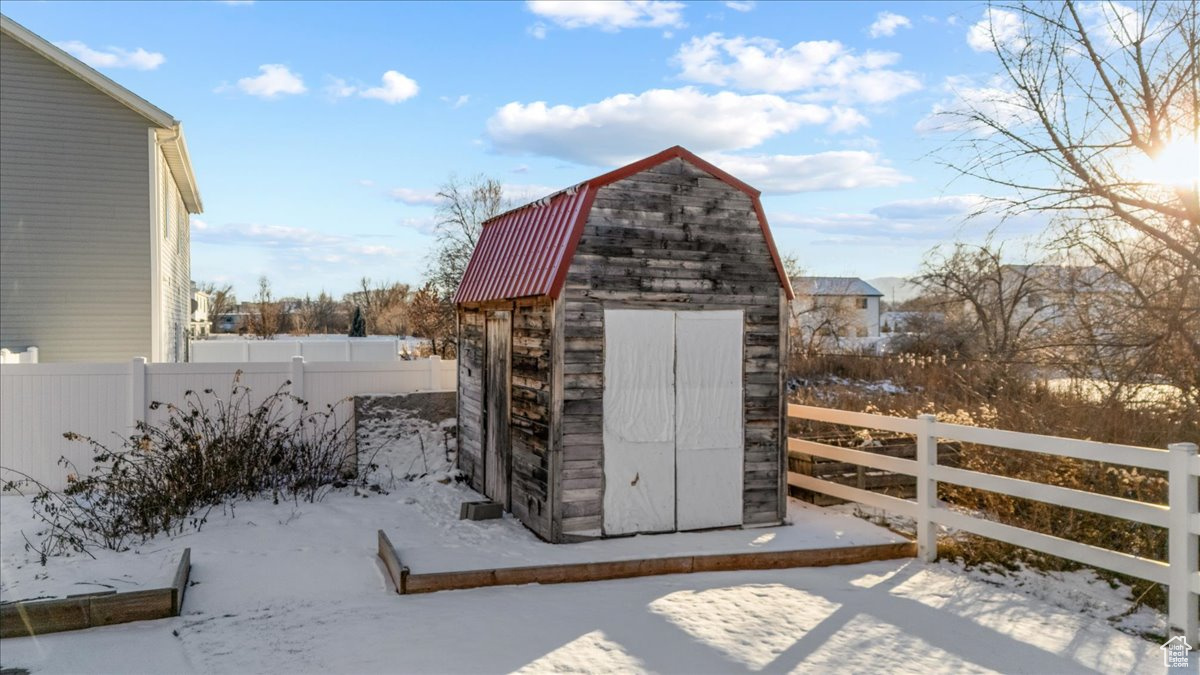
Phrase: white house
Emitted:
{"points": [[198, 326], [835, 308], [96, 189]]}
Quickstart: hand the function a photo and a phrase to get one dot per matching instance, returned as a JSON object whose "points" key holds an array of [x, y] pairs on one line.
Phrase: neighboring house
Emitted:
{"points": [[95, 191], [232, 322], [831, 309], [198, 326]]}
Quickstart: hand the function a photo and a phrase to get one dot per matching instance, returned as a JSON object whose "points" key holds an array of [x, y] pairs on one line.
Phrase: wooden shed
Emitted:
{"points": [[621, 356]]}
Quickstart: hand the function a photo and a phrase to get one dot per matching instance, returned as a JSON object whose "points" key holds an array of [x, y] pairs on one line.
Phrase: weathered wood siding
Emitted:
{"points": [[530, 395], [470, 396], [75, 215], [671, 237], [530, 384]]}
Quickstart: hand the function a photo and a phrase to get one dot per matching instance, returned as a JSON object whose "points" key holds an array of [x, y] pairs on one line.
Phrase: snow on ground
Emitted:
{"points": [[1135, 396], [298, 588]]}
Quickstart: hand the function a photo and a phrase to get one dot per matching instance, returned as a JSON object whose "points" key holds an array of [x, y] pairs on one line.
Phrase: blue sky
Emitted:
{"points": [[319, 132]]}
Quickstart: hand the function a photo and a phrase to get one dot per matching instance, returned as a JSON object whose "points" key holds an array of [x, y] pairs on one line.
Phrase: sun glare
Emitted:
{"points": [[1178, 164]]}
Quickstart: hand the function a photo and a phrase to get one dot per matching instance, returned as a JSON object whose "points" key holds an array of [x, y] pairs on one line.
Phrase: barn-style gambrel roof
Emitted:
{"points": [[526, 252]]}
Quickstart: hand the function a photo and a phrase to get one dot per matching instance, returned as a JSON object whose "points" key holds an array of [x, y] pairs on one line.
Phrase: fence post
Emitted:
{"points": [[1182, 551], [137, 392], [927, 456], [297, 379], [435, 369]]}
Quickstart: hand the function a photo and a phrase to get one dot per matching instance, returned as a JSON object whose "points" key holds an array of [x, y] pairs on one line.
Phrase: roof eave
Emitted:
{"points": [[86, 73], [181, 166]]}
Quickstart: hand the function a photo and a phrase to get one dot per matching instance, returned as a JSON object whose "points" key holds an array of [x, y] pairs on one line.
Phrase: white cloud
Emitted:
{"points": [[789, 174], [914, 220], [339, 88], [886, 24], [1116, 24], [422, 224], [992, 99], [396, 87], [742, 6], [946, 206], [456, 101], [274, 81], [113, 57], [293, 245], [414, 197], [817, 70], [537, 30], [609, 15], [997, 27], [627, 126], [521, 193], [517, 193]]}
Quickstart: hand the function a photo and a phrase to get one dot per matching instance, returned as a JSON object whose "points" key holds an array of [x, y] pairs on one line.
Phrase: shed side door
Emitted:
{"points": [[497, 455], [639, 421], [709, 440]]}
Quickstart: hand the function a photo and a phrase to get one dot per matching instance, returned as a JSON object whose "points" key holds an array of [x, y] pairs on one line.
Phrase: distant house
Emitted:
{"points": [[232, 322], [199, 322], [831, 309], [96, 189]]}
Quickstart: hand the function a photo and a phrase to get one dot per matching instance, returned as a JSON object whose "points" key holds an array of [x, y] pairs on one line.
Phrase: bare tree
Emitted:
{"points": [[1003, 306], [384, 305], [220, 301], [463, 207], [819, 323], [268, 317], [432, 316], [1090, 91], [1095, 96], [323, 315]]}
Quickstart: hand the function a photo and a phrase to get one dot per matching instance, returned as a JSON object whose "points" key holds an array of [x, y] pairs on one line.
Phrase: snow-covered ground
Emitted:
{"points": [[298, 588]]}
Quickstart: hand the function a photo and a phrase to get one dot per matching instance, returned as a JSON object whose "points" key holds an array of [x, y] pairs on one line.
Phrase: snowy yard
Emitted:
{"points": [[298, 588], [281, 588]]}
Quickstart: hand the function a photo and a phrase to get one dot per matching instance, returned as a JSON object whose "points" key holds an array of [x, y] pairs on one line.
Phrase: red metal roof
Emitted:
{"points": [[526, 252]]}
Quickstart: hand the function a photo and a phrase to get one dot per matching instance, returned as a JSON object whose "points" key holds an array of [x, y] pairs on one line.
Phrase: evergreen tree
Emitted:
{"points": [[358, 325]]}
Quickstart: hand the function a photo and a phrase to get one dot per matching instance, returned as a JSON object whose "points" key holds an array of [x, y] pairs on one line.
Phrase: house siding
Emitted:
{"points": [[173, 233], [75, 263]]}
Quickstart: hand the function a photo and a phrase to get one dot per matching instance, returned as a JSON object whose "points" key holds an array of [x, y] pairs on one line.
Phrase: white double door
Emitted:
{"points": [[673, 441]]}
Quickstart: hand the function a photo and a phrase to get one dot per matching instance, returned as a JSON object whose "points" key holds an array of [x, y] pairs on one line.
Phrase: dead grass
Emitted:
{"points": [[1014, 397]]}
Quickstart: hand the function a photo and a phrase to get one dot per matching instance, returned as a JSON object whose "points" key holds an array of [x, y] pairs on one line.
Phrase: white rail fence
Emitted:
{"points": [[1181, 516], [38, 403]]}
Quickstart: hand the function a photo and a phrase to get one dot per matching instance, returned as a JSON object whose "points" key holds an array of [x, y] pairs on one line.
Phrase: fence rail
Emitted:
{"points": [[1181, 516], [39, 402]]}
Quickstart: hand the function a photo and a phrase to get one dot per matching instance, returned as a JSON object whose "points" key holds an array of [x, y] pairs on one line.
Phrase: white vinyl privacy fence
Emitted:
{"points": [[1181, 516], [373, 349], [40, 402]]}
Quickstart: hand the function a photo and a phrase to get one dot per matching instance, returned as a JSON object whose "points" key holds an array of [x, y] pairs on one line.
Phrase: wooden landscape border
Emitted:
{"points": [[38, 617], [407, 582]]}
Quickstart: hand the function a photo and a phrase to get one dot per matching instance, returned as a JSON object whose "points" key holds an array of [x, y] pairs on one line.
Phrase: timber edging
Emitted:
{"points": [[407, 582], [37, 617]]}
